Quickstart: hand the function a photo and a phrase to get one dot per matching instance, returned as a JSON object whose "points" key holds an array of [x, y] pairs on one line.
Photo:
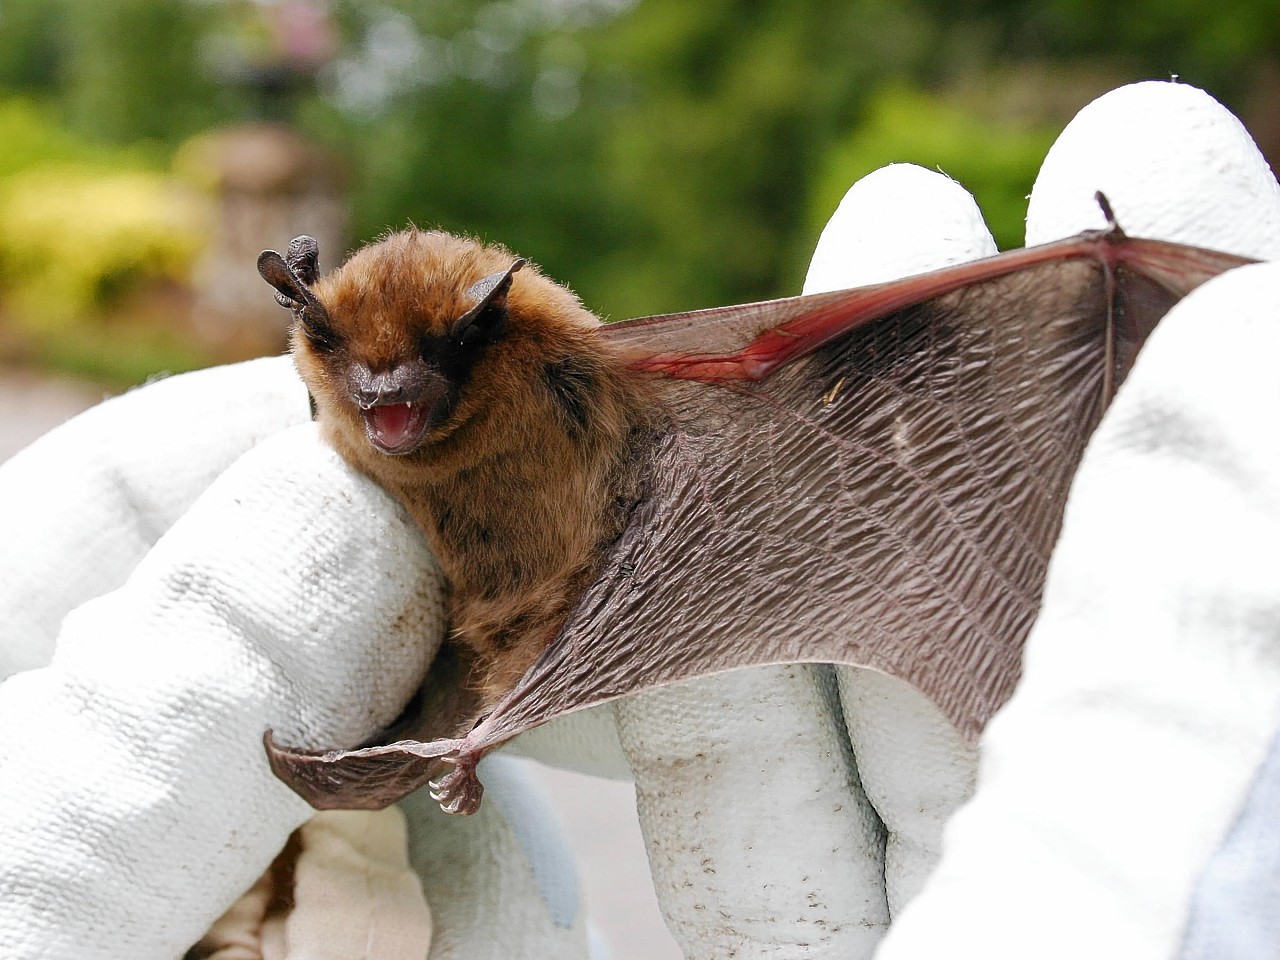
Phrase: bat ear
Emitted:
{"points": [[493, 289], [292, 292], [485, 319], [303, 259]]}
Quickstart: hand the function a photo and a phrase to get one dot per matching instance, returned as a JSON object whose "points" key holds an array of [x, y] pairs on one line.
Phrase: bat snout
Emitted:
{"points": [[398, 406]]}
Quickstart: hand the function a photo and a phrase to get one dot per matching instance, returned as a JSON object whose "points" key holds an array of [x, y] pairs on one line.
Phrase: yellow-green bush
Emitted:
{"points": [[30, 135], [74, 236], [83, 227]]}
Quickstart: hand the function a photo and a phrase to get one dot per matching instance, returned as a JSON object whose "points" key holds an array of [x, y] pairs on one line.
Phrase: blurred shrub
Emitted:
{"points": [[74, 237], [30, 135], [85, 231], [995, 161]]}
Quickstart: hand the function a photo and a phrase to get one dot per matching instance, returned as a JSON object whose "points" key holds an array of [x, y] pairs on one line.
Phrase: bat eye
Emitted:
{"points": [[483, 323], [322, 337], [483, 327]]}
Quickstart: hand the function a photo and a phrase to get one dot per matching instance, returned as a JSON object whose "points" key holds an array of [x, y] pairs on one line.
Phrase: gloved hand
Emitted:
{"points": [[1101, 794], [130, 765], [134, 801], [1126, 805]]}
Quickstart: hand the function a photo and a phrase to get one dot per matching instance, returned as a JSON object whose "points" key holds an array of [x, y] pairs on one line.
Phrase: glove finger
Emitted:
{"points": [[342, 889], [84, 503], [585, 741], [1119, 775], [137, 799], [721, 763], [897, 221], [1175, 165], [915, 768], [507, 861], [1114, 775], [756, 830]]}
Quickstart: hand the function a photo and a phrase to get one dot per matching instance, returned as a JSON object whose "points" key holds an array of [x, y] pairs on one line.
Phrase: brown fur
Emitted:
{"points": [[517, 491]]}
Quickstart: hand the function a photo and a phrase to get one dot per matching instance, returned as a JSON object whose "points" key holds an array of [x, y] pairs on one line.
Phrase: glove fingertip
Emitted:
{"points": [[1175, 164], [897, 221]]}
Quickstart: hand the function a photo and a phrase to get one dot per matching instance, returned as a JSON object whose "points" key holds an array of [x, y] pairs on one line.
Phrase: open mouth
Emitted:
{"points": [[396, 428]]}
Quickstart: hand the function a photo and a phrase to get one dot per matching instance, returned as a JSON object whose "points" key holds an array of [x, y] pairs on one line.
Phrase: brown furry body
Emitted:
{"points": [[528, 476]]}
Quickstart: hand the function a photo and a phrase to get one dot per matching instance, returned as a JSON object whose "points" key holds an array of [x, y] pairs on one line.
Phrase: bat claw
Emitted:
{"points": [[459, 791], [1113, 225]]}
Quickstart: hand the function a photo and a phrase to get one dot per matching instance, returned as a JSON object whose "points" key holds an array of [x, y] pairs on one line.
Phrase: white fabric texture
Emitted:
{"points": [[1152, 686], [499, 882], [1174, 163], [935, 223], [376, 906], [914, 769], [717, 762], [83, 504], [759, 838], [351, 888], [897, 221], [137, 805]]}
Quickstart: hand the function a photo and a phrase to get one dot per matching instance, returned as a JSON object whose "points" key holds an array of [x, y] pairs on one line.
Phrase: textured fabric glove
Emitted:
{"points": [[1128, 793], [761, 848], [135, 804]]}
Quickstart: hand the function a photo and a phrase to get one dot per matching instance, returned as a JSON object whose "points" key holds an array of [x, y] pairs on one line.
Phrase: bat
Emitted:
{"points": [[483, 396], [873, 477]]}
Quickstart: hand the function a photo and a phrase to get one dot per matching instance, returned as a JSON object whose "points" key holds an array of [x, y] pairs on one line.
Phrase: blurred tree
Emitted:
{"points": [[994, 158], [1218, 44], [665, 154], [658, 154], [32, 50], [132, 69]]}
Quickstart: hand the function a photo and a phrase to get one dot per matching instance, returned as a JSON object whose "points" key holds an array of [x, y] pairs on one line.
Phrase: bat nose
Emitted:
{"points": [[410, 382], [382, 388]]}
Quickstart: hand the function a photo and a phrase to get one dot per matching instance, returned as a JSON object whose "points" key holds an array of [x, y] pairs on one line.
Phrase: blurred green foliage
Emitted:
{"points": [[996, 160], [57, 264], [83, 223], [31, 136], [657, 154]]}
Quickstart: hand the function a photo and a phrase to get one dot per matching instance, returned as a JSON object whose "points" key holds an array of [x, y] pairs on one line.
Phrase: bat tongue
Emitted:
{"points": [[396, 427]]}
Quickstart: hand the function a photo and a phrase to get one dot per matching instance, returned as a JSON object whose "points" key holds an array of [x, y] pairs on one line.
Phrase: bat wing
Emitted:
{"points": [[872, 477]]}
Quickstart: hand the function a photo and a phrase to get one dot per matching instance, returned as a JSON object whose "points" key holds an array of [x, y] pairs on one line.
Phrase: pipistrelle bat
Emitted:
{"points": [[873, 477]]}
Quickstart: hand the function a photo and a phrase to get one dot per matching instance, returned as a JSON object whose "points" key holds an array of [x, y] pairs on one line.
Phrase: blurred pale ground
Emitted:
{"points": [[598, 815]]}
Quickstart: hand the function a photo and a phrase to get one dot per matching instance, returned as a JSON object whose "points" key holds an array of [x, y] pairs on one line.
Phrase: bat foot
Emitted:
{"points": [[458, 791]]}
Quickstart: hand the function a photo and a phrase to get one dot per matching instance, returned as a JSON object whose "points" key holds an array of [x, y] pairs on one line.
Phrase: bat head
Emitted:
{"points": [[422, 338]]}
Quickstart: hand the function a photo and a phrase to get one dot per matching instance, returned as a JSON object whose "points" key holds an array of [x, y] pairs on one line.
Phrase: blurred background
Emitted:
{"points": [[656, 155]]}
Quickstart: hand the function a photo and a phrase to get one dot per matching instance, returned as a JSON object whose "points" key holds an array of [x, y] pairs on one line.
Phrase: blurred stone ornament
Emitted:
{"points": [[268, 182]]}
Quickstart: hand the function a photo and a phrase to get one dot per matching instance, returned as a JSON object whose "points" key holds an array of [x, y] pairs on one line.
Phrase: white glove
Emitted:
{"points": [[135, 804], [1128, 793], [82, 505], [761, 849]]}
